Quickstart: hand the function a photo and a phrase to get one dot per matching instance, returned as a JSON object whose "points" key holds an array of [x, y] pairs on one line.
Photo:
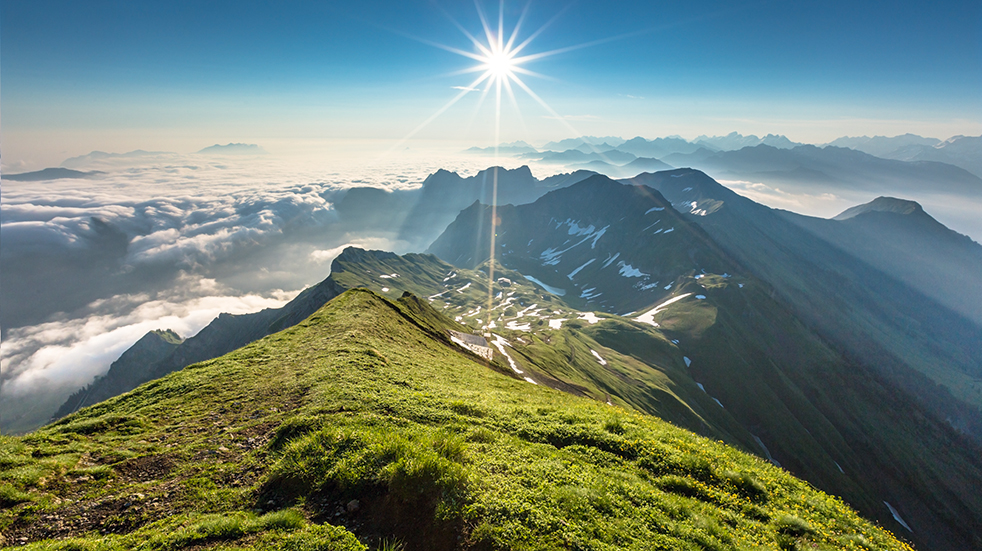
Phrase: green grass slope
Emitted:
{"points": [[364, 426]]}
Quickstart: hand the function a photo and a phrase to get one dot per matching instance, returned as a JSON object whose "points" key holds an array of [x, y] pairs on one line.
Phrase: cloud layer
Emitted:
{"points": [[162, 241]]}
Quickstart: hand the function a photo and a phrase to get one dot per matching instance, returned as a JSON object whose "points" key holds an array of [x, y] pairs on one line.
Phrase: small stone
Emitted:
{"points": [[353, 505]]}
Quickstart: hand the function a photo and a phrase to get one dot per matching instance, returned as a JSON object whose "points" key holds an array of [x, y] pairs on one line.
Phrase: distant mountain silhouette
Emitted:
{"points": [[512, 148], [735, 140], [834, 168], [51, 174], [83, 160], [882, 146], [573, 143], [657, 148], [961, 151]]}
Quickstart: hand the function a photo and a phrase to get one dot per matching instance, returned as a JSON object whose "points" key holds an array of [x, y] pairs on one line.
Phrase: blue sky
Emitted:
{"points": [[177, 75]]}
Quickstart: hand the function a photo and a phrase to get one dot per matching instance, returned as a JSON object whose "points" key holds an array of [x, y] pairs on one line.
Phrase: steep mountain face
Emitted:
{"points": [[366, 423], [844, 424], [874, 317], [419, 216], [126, 373], [833, 168], [899, 238], [561, 241], [870, 314]]}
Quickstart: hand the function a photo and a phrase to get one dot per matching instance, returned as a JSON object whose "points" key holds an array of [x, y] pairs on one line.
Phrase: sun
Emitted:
{"points": [[500, 64]]}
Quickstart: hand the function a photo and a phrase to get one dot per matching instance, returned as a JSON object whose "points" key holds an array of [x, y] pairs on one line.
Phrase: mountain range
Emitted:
{"points": [[813, 343]]}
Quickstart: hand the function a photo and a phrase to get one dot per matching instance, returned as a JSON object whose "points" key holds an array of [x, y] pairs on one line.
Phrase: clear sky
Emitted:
{"points": [[179, 75]]}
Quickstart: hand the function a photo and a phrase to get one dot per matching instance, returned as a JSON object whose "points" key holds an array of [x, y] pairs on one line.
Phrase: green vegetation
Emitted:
{"points": [[365, 420]]}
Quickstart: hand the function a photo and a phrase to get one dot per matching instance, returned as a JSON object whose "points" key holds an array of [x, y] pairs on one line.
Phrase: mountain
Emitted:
{"points": [[367, 425], [419, 215], [781, 334], [883, 146], [51, 174], [657, 148], [233, 149], [633, 168], [573, 143], [897, 237], [834, 169], [961, 151], [126, 373], [84, 160], [734, 140], [579, 156], [512, 148], [931, 351], [444, 193]]}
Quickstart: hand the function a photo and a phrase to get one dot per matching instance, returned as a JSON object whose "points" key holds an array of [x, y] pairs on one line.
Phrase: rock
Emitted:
{"points": [[353, 505]]}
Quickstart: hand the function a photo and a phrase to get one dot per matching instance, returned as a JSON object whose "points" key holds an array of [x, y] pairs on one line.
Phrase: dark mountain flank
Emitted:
{"points": [[774, 323], [126, 373], [900, 239]]}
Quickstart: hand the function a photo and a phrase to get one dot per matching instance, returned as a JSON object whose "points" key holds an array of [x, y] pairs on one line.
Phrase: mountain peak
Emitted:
{"points": [[882, 204]]}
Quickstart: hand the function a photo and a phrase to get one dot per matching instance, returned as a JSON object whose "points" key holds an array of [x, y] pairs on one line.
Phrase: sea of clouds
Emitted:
{"points": [[166, 241]]}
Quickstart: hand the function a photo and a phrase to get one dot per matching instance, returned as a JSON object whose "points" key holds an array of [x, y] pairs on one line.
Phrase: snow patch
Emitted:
{"points": [[896, 517], [610, 259], [549, 288], [767, 453], [461, 290], [701, 297], [670, 230], [589, 317], [390, 276], [654, 209], [649, 316], [589, 293], [556, 323], [688, 362], [572, 274], [630, 271], [599, 358], [385, 289]]}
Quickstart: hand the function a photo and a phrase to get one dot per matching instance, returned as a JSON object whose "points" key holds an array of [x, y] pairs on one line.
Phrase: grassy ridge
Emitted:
{"points": [[367, 418]]}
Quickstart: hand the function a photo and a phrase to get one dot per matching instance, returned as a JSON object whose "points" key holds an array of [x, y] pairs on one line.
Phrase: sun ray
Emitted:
{"points": [[518, 26], [448, 105]]}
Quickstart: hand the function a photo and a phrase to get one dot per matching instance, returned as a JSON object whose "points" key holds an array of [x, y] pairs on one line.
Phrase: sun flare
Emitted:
{"points": [[500, 64]]}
